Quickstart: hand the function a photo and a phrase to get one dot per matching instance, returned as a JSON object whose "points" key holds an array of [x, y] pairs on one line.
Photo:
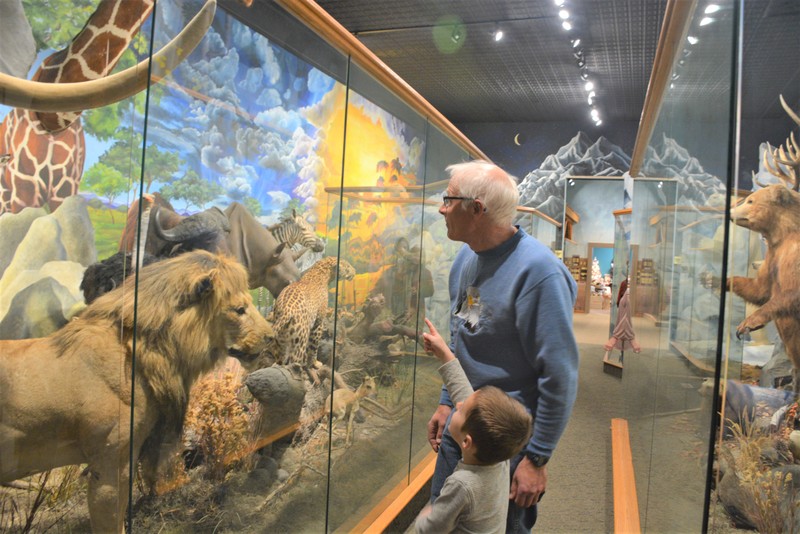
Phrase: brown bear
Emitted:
{"points": [[774, 212]]}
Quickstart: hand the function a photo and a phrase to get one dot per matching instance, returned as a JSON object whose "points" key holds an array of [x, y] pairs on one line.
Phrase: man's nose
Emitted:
{"points": [[442, 209]]}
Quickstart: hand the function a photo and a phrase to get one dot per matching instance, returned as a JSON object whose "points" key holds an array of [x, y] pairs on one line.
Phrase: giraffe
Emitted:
{"points": [[42, 139]]}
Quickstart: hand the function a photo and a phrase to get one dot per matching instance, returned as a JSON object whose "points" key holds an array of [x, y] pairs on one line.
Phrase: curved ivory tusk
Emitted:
{"points": [[788, 110], [60, 97]]}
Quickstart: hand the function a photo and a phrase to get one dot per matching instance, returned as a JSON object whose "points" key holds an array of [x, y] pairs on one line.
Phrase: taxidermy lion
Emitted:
{"points": [[774, 212], [66, 398]]}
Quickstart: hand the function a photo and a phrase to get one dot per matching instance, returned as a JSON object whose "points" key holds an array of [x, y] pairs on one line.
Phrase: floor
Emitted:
{"points": [[580, 483]]}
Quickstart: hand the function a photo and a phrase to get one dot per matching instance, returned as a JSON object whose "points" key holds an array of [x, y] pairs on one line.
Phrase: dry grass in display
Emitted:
{"points": [[757, 463], [40, 502]]}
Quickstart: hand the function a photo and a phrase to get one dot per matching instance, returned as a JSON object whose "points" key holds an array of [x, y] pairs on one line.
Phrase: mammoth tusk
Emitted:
{"points": [[60, 97], [788, 110]]}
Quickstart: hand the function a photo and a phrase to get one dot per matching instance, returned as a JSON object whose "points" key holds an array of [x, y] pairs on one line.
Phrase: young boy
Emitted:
{"points": [[490, 427]]}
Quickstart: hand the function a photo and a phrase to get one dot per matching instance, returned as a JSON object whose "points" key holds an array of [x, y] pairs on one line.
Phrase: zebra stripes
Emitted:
{"points": [[297, 230]]}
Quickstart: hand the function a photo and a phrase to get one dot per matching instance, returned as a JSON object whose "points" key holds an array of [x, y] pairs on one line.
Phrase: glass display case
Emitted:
{"points": [[694, 399], [588, 252], [539, 225], [264, 141]]}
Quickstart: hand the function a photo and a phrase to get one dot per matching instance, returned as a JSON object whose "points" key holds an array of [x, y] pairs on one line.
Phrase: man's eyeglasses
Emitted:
{"points": [[447, 199]]}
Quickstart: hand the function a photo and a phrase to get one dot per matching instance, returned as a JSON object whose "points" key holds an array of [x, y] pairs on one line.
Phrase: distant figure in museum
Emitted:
{"points": [[511, 327], [623, 337], [490, 428], [401, 282]]}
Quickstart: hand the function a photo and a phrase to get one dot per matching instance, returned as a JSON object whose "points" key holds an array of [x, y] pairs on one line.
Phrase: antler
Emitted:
{"points": [[779, 155]]}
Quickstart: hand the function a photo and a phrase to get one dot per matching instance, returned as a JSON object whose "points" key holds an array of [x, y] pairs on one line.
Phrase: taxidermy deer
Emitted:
{"points": [[346, 403]]}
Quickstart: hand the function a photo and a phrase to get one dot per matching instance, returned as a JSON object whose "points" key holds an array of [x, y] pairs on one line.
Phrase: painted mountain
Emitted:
{"points": [[543, 188]]}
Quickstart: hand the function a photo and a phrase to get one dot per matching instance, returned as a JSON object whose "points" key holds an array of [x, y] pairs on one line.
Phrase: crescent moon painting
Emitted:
{"points": [[517, 141]]}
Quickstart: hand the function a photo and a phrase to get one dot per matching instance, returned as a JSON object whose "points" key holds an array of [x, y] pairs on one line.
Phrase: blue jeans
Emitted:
{"points": [[519, 520]]}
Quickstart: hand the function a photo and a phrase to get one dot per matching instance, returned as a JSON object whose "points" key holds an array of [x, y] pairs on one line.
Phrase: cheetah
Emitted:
{"points": [[300, 312]]}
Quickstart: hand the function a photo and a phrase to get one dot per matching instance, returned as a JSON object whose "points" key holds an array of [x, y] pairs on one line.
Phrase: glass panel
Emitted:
{"points": [[758, 407], [439, 253], [65, 372], [592, 240], [679, 209], [381, 210], [538, 225]]}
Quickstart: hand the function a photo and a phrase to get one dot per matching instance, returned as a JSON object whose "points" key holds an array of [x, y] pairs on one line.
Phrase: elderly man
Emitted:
{"points": [[511, 327]]}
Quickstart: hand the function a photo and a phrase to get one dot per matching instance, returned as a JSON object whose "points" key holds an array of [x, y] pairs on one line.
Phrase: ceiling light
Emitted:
{"points": [[456, 35], [575, 42], [711, 8], [564, 14], [498, 34], [558, 3], [584, 74], [675, 75], [589, 86], [578, 54], [581, 63], [598, 122], [706, 21], [566, 25], [590, 99], [592, 94], [692, 39], [595, 114]]}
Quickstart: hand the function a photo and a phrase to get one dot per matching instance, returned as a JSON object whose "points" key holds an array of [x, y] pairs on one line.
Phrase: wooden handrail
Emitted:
{"points": [[626, 504], [674, 29], [316, 18]]}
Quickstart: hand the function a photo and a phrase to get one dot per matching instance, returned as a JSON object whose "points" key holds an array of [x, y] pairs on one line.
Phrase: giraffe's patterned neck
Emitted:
{"points": [[94, 52]]}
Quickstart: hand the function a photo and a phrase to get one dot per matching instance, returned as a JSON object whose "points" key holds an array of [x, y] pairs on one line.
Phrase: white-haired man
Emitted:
{"points": [[511, 327]]}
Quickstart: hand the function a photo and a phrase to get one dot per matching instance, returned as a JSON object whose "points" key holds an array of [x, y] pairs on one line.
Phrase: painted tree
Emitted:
{"points": [[194, 190], [106, 182], [126, 155]]}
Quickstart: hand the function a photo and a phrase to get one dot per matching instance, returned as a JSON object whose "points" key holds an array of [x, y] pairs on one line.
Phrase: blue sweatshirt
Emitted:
{"points": [[511, 327]]}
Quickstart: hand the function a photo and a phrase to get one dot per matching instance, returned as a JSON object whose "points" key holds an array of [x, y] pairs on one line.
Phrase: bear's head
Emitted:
{"points": [[769, 210]]}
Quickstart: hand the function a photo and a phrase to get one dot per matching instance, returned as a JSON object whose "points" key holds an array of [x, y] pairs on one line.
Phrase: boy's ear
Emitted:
{"points": [[466, 443]]}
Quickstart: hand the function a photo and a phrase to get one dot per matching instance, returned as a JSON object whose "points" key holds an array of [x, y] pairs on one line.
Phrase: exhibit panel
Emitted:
{"points": [[302, 404]]}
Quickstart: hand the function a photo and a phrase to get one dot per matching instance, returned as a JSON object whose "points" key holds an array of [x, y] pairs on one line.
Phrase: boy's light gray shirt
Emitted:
{"points": [[474, 498]]}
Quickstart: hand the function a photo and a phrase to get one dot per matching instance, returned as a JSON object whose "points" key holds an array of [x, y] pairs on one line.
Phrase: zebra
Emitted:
{"points": [[296, 229]]}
